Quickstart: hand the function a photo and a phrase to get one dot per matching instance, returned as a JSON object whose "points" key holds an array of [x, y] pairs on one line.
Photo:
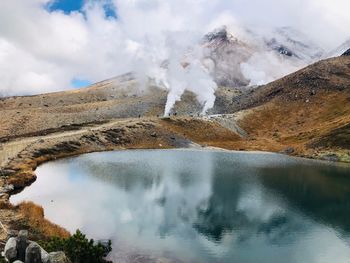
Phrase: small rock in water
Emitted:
{"points": [[10, 251], [18, 261], [289, 150], [331, 157], [33, 253]]}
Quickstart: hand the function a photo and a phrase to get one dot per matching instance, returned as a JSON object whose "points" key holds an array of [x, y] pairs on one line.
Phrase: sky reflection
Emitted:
{"points": [[201, 206]]}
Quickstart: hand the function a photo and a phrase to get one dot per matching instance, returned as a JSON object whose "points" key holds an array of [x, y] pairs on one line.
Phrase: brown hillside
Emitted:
{"points": [[308, 110]]}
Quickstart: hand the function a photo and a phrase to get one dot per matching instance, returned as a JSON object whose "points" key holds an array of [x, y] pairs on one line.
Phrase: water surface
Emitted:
{"points": [[201, 206]]}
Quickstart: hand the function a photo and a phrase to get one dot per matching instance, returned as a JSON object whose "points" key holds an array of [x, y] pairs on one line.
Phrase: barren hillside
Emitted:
{"points": [[307, 111]]}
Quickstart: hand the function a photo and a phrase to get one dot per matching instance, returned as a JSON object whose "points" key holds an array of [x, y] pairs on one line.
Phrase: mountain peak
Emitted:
{"points": [[220, 35], [347, 53]]}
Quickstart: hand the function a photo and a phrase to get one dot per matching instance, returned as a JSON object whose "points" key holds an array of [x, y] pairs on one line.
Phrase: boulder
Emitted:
{"points": [[12, 233], [331, 157], [288, 150], [44, 255], [22, 244], [33, 253], [58, 257], [18, 261], [10, 251]]}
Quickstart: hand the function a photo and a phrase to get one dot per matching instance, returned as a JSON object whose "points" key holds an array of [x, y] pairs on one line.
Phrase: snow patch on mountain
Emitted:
{"points": [[339, 50], [260, 57]]}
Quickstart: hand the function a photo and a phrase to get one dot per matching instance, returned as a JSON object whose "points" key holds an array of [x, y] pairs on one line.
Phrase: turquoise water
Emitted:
{"points": [[201, 206]]}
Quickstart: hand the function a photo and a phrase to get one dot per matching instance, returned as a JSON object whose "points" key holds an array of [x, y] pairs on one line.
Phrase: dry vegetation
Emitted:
{"points": [[33, 217], [307, 112]]}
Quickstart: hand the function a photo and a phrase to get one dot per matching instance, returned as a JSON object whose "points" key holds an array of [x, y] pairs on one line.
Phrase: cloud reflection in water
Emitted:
{"points": [[200, 206]]}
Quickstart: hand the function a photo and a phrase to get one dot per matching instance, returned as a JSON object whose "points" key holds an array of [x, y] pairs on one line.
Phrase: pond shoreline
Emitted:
{"points": [[151, 133], [128, 187]]}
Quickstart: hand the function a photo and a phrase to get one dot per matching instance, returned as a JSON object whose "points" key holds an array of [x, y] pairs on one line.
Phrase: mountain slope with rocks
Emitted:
{"points": [[308, 110], [303, 110]]}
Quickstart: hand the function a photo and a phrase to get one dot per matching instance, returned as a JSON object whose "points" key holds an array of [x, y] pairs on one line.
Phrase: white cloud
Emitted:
{"points": [[43, 51]]}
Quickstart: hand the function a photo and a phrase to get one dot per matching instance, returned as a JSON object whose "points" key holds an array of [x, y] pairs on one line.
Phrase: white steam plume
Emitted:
{"points": [[174, 62], [42, 51]]}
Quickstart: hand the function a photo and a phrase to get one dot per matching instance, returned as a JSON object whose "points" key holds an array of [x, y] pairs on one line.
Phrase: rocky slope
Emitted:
{"points": [[309, 109], [300, 110], [111, 99]]}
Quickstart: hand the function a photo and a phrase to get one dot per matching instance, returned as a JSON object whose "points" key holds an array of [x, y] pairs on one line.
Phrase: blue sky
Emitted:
{"points": [[68, 6], [79, 83], [67, 43]]}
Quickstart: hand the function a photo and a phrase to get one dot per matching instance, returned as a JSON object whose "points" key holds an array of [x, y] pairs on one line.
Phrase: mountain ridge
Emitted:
{"points": [[300, 110]]}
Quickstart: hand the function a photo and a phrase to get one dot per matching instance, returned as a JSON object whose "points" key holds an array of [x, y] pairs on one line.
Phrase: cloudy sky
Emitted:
{"points": [[62, 44]]}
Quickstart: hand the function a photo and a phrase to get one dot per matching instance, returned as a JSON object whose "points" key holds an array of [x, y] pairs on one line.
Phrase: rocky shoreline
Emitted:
{"points": [[19, 249], [18, 171], [23, 155]]}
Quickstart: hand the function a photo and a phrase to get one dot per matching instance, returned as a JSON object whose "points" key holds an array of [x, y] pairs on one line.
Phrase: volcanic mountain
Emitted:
{"points": [[307, 112]]}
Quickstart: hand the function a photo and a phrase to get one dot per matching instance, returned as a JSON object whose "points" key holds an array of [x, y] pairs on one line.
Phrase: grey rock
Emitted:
{"points": [[331, 157], [7, 172], [18, 261], [12, 233], [33, 253], [22, 244], [58, 257], [7, 188], [289, 150], [45, 258], [10, 251]]}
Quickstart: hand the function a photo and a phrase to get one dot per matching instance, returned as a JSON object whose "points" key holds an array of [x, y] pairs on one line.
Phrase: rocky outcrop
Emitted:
{"points": [[33, 254], [346, 53], [10, 251], [58, 257], [22, 244], [20, 249]]}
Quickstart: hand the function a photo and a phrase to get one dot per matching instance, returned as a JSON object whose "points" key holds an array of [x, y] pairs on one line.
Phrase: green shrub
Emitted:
{"points": [[78, 248]]}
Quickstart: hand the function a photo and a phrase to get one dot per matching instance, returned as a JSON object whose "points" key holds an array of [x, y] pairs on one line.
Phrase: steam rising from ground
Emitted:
{"points": [[42, 51], [176, 65]]}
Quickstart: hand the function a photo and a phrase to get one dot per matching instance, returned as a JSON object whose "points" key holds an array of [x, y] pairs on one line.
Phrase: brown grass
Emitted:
{"points": [[297, 123], [19, 181], [34, 216], [199, 131]]}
